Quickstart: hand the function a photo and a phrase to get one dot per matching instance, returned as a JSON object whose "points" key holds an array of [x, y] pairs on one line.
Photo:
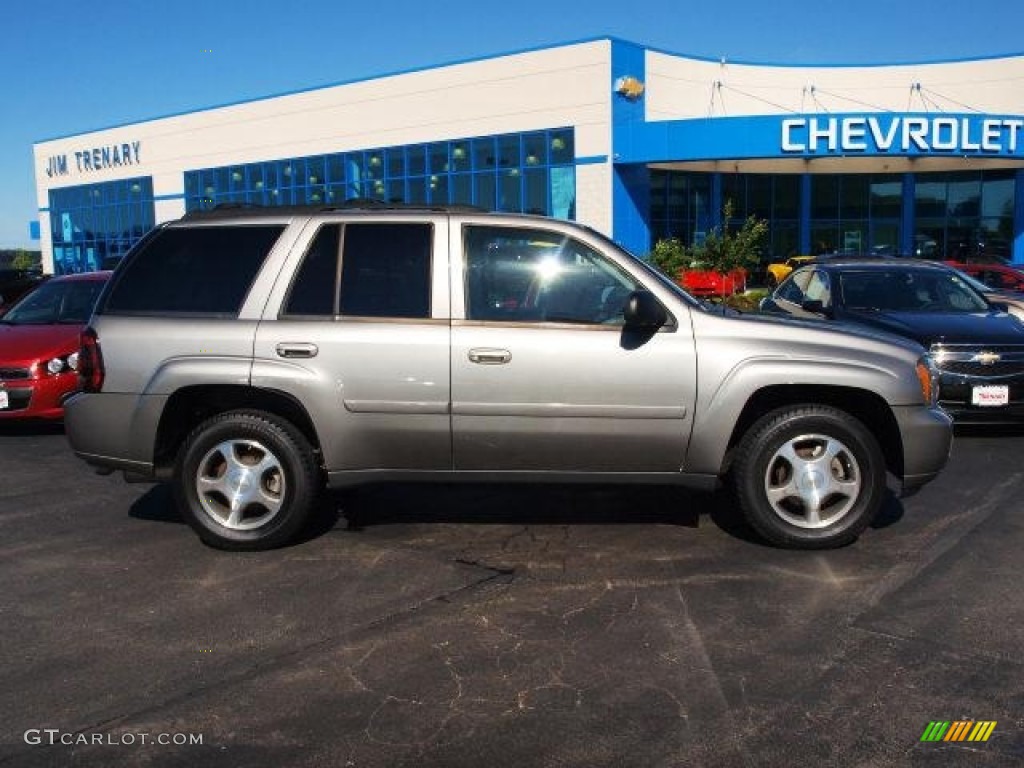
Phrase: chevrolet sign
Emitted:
{"points": [[902, 134]]}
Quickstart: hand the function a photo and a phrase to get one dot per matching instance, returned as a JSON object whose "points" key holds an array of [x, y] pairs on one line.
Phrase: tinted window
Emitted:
{"points": [[314, 290], [528, 275], [385, 270], [200, 270]]}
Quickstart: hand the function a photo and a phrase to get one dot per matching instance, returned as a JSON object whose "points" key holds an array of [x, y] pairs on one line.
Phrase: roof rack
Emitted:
{"points": [[231, 210]]}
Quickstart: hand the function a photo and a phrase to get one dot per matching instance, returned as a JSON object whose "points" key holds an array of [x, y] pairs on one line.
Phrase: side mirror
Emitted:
{"points": [[1001, 306], [643, 310]]}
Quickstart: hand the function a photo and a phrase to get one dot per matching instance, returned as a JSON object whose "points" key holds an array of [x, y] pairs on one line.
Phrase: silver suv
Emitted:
{"points": [[252, 357]]}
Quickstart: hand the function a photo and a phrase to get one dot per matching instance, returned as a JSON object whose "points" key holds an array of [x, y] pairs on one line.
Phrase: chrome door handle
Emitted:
{"points": [[296, 349], [490, 356]]}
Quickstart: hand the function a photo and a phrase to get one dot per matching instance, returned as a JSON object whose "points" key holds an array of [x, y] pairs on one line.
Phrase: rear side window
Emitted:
{"points": [[199, 270], [313, 291], [385, 272]]}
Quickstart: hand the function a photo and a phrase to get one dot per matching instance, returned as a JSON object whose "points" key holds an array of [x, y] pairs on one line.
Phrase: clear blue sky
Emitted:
{"points": [[68, 67]]}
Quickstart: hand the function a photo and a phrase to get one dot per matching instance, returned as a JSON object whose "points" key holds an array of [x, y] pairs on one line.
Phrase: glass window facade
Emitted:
{"points": [[520, 172], [94, 225], [964, 216], [681, 206], [776, 199], [856, 214]]}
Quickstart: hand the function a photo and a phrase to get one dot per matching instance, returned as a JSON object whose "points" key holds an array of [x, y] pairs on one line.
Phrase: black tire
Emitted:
{"points": [[265, 462], [794, 444]]}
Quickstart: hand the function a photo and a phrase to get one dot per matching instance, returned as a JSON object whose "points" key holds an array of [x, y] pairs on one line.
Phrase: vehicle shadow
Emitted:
{"points": [[156, 505], [30, 428], [518, 504], [727, 516], [510, 504], [988, 430]]}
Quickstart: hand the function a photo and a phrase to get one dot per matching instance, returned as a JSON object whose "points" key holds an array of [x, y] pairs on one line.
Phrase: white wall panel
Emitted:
{"points": [[556, 87], [681, 88], [594, 196]]}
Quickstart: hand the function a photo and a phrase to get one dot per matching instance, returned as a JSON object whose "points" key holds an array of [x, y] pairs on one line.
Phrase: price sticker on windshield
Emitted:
{"points": [[991, 395], [5, 400]]}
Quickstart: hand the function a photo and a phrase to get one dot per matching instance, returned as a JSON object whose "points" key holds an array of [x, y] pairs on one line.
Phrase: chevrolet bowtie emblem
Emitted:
{"points": [[987, 358], [630, 87]]}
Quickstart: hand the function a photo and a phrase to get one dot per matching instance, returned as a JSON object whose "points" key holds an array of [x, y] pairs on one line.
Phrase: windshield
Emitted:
{"points": [[909, 290], [59, 301]]}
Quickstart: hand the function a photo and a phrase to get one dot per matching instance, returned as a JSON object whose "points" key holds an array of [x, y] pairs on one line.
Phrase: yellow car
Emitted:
{"points": [[778, 271]]}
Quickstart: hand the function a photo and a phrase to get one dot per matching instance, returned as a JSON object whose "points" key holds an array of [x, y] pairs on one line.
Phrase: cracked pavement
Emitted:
{"points": [[508, 626]]}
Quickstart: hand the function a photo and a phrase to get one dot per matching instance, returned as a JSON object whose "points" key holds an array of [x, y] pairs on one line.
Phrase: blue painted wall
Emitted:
{"points": [[631, 183]]}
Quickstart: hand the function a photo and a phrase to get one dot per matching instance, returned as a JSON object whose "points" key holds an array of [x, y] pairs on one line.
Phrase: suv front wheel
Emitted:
{"points": [[809, 477], [246, 480]]}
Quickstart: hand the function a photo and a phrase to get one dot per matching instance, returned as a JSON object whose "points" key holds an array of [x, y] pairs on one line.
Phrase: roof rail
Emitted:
{"points": [[232, 210]]}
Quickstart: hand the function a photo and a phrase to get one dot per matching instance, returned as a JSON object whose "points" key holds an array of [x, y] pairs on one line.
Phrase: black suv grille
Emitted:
{"points": [[978, 361]]}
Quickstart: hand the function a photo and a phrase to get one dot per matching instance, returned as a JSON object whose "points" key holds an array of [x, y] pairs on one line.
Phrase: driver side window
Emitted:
{"points": [[533, 275]]}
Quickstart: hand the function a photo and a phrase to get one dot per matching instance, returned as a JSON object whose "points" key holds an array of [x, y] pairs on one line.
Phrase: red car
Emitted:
{"points": [[1002, 277], [709, 282], [39, 338]]}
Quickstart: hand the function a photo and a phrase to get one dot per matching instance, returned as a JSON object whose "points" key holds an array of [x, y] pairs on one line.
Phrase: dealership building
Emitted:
{"points": [[641, 144]]}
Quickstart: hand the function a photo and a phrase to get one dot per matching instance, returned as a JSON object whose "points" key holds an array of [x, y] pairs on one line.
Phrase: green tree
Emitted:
{"points": [[723, 250], [24, 260]]}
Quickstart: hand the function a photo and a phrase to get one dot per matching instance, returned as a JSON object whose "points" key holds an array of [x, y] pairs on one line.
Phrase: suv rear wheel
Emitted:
{"points": [[809, 477], [246, 480]]}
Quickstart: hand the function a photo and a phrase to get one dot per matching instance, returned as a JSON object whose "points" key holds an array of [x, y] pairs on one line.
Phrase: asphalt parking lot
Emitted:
{"points": [[506, 627]]}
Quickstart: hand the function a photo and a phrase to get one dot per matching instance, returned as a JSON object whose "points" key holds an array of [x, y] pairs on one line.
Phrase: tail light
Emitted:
{"points": [[90, 362]]}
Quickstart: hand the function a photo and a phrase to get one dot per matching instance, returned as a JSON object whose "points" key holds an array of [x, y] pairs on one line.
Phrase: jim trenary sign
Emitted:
{"points": [[95, 158], [903, 135]]}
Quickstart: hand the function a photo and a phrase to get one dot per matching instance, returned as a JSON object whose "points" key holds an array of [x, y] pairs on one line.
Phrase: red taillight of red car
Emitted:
{"points": [[90, 362]]}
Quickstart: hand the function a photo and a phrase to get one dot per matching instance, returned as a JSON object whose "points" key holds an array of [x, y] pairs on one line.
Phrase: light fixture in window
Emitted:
{"points": [[513, 172], [458, 153], [236, 175], [136, 187], [315, 197], [312, 180], [558, 143], [273, 193], [532, 159], [258, 185], [374, 160], [208, 191], [286, 171]]}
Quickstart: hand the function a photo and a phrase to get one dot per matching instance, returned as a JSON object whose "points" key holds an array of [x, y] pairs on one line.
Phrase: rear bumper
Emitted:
{"points": [[113, 431], [927, 435]]}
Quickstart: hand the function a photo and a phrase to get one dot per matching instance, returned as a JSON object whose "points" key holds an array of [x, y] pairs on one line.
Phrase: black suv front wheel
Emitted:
{"points": [[246, 480]]}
